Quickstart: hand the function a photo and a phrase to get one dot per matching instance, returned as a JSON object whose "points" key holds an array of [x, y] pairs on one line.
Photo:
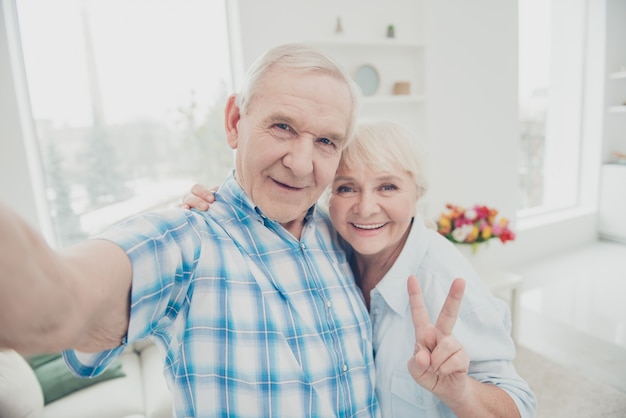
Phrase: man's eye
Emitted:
{"points": [[282, 131]]}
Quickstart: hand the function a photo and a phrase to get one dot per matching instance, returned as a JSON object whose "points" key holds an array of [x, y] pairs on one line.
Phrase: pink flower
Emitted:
{"points": [[474, 225]]}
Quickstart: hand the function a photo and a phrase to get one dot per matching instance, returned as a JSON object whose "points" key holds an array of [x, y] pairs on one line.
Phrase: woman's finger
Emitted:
{"points": [[419, 314], [450, 310]]}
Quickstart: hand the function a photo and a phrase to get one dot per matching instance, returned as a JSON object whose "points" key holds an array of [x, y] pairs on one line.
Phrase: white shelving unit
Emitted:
{"points": [[398, 99], [612, 207], [617, 109], [617, 75], [396, 60]]}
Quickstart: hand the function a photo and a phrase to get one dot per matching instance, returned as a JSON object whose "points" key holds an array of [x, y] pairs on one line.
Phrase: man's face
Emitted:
{"points": [[289, 141]]}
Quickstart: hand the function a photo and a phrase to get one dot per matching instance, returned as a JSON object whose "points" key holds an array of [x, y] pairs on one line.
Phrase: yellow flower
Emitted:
{"points": [[486, 232], [445, 225], [473, 235]]}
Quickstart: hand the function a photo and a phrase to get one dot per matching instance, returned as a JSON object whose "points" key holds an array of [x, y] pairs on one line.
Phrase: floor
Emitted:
{"points": [[573, 310]]}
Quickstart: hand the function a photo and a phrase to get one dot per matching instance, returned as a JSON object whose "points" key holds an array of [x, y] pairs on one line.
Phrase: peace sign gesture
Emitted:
{"points": [[439, 363]]}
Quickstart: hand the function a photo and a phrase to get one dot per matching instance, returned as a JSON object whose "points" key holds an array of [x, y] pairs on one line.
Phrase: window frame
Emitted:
{"points": [[561, 154], [27, 188]]}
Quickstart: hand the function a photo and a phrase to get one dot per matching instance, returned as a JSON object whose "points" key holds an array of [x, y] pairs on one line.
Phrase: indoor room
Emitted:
{"points": [[113, 108]]}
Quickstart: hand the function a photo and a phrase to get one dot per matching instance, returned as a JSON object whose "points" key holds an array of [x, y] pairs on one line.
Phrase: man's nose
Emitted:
{"points": [[299, 157]]}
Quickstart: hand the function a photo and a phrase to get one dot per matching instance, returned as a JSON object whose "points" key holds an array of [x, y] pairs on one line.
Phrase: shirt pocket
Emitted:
{"points": [[410, 399]]}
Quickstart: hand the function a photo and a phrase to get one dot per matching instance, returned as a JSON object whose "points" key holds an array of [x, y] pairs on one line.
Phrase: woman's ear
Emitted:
{"points": [[232, 117]]}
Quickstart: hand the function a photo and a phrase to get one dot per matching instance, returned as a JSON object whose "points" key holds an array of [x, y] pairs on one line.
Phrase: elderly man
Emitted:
{"points": [[253, 305]]}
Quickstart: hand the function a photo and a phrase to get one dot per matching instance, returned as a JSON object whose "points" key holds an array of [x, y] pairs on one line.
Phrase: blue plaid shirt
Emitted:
{"points": [[252, 322]]}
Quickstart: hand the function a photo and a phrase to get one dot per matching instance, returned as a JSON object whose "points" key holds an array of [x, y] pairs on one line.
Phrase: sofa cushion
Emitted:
{"points": [[57, 380], [20, 394], [115, 398]]}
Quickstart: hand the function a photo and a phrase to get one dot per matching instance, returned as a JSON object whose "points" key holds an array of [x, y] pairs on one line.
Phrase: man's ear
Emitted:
{"points": [[232, 116]]}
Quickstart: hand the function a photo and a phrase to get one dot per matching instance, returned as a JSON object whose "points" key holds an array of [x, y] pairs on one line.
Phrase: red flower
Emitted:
{"points": [[475, 225], [507, 235]]}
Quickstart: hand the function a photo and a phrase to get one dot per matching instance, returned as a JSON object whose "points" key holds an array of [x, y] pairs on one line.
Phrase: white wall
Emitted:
{"points": [[471, 87], [472, 102], [271, 22], [471, 79]]}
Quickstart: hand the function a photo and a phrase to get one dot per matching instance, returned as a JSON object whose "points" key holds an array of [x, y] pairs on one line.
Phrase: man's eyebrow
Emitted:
{"points": [[278, 118]]}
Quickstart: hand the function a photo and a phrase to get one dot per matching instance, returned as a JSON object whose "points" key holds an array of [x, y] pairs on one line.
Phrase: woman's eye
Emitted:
{"points": [[389, 187], [326, 141], [344, 189]]}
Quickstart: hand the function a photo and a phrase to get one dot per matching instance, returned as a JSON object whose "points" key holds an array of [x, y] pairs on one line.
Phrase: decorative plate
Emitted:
{"points": [[366, 76]]}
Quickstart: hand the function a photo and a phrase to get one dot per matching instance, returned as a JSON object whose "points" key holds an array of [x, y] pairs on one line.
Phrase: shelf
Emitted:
{"points": [[394, 99], [612, 205], [395, 60], [618, 74], [617, 109], [366, 43]]}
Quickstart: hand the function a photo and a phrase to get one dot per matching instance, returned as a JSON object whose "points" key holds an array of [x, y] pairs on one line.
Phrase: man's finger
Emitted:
{"points": [[450, 310]]}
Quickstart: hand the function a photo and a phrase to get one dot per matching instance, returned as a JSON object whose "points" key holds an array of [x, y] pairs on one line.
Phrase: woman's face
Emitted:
{"points": [[372, 211]]}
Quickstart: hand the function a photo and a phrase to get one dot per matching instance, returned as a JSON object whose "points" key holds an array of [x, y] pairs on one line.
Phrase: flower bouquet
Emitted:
{"points": [[473, 226]]}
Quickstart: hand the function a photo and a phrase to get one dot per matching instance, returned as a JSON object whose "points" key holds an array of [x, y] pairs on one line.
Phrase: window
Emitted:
{"points": [[127, 99], [551, 74]]}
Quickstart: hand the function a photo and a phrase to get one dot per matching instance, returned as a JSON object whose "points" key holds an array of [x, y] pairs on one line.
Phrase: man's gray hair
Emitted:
{"points": [[304, 58]]}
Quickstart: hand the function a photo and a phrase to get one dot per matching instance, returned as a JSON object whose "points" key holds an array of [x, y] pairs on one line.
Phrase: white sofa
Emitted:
{"points": [[142, 393]]}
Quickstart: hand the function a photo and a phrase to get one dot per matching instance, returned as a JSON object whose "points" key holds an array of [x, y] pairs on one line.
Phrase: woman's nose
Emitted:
{"points": [[367, 204]]}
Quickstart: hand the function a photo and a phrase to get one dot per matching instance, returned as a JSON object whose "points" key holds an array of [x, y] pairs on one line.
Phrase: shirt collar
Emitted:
{"points": [[234, 194]]}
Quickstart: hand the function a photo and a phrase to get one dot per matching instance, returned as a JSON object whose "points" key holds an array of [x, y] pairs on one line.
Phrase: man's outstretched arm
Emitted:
{"points": [[51, 300]]}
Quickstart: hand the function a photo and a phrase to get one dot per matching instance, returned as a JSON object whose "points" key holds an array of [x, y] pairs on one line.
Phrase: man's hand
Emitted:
{"points": [[200, 198], [439, 363]]}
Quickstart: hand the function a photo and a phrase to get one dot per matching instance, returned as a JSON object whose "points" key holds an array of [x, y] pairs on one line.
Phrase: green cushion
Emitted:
{"points": [[57, 380]]}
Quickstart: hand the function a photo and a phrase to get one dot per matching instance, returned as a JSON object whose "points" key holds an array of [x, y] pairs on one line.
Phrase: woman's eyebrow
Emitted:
{"points": [[343, 178]]}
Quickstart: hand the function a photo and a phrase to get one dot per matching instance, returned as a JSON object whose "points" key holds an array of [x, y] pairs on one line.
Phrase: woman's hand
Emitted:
{"points": [[200, 198], [439, 363]]}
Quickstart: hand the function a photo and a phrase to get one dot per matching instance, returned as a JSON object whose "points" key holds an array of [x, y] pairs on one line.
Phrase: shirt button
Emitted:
{"points": [[302, 246], [345, 368], [329, 304], [376, 311]]}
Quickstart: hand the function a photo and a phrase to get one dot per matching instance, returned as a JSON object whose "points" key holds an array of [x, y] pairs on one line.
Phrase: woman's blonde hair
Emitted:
{"points": [[385, 146]]}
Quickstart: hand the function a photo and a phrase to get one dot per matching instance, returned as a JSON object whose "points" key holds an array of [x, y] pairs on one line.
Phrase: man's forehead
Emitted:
{"points": [[318, 126], [321, 106]]}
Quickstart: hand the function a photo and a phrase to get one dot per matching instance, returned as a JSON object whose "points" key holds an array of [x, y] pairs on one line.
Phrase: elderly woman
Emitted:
{"points": [[459, 366]]}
